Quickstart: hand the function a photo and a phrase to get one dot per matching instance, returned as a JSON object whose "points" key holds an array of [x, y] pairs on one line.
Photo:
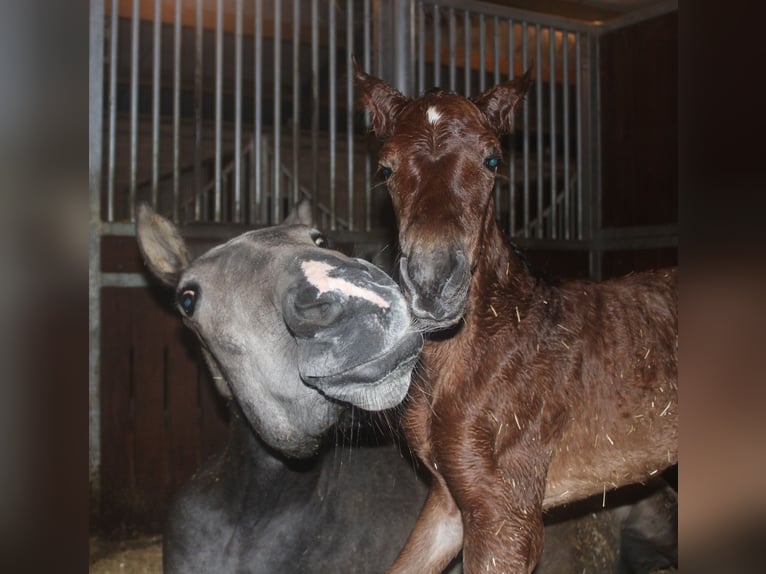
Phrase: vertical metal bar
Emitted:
{"points": [[403, 56], [218, 108], [176, 108], [134, 108], [277, 111], [552, 80], [437, 46], [421, 48], [350, 109], [539, 128], [296, 98], [467, 50], [565, 106], [578, 111], [237, 215], [525, 116], [95, 130], [512, 140], [497, 49], [367, 166], [198, 185], [156, 79], [112, 107], [482, 53], [332, 102], [315, 108], [257, 203], [594, 166], [496, 57], [452, 50]]}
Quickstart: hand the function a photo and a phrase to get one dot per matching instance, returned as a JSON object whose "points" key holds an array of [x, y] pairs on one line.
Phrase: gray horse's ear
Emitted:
{"points": [[161, 245], [301, 213], [499, 104], [379, 98]]}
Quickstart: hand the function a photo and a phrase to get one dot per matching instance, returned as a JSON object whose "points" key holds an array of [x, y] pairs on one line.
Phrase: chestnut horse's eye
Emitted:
{"points": [[492, 162], [187, 300], [386, 171]]}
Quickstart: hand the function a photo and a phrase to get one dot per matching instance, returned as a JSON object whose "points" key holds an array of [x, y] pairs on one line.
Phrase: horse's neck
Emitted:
{"points": [[501, 276]]}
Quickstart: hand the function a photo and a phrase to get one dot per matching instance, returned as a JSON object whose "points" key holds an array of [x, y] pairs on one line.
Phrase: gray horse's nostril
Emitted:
{"points": [[305, 312]]}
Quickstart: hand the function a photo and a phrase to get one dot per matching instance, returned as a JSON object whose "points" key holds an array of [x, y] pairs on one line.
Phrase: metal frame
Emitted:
{"points": [[394, 34]]}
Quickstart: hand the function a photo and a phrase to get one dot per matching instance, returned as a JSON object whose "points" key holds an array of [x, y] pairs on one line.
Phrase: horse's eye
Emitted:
{"points": [[386, 171], [319, 239], [187, 300], [492, 162]]}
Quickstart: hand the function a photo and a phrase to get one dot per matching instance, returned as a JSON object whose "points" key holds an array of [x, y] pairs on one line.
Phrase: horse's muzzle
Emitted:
{"points": [[436, 287]]}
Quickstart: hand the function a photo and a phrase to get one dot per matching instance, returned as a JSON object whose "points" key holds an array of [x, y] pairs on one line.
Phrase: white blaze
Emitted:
{"points": [[433, 115], [317, 273]]}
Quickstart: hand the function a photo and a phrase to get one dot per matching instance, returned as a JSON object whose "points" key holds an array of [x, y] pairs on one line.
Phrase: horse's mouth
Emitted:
{"points": [[378, 384]]}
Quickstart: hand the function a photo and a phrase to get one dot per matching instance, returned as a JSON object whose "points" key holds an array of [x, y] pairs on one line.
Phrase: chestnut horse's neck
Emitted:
{"points": [[501, 277]]}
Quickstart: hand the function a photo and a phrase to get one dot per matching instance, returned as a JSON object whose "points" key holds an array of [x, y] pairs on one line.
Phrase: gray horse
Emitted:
{"points": [[296, 335]]}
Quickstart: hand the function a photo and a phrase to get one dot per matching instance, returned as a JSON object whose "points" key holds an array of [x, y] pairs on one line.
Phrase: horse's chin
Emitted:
{"points": [[376, 385]]}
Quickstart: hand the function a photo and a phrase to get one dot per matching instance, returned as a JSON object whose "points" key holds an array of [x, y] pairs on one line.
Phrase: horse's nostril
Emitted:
{"points": [[305, 313]]}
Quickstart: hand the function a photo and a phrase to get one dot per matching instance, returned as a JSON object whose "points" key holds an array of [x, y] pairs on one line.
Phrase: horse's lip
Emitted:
{"points": [[406, 350]]}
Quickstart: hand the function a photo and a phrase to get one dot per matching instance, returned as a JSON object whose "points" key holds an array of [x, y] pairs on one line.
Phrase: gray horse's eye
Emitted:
{"points": [[187, 300], [318, 239]]}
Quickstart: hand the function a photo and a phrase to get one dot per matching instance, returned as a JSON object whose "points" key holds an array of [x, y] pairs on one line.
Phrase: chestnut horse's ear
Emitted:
{"points": [[500, 103], [382, 101]]}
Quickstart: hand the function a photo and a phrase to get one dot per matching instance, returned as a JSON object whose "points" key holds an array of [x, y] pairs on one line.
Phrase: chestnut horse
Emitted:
{"points": [[530, 395]]}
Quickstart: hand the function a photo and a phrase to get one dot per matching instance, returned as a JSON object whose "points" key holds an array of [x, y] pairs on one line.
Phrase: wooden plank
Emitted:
{"points": [[183, 415], [149, 335], [117, 431]]}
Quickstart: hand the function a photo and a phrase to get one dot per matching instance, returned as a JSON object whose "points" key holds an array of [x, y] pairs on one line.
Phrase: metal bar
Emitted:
{"points": [[578, 144], [95, 127], [565, 112], [296, 98], [218, 109], [237, 208], [156, 68], [350, 110], [403, 32], [332, 105], [504, 11], [512, 140], [134, 109], [594, 118], [176, 108], [452, 50], [198, 111], [497, 50], [467, 51], [437, 46], [421, 48], [552, 86], [367, 166], [525, 116], [482, 53], [539, 128], [257, 202], [315, 109], [277, 111], [112, 108]]}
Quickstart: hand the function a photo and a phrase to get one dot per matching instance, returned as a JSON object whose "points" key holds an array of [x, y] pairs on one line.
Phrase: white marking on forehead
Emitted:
{"points": [[433, 115], [317, 273]]}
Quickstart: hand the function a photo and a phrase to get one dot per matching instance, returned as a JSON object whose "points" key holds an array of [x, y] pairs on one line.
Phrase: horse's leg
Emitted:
{"points": [[436, 537], [501, 502]]}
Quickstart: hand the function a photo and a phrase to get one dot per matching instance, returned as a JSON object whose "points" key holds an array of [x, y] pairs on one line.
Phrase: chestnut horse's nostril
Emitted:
{"points": [[436, 283]]}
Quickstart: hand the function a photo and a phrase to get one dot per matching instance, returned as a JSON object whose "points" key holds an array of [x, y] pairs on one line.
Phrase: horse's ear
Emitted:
{"points": [[382, 101], [301, 213], [500, 103], [161, 245]]}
